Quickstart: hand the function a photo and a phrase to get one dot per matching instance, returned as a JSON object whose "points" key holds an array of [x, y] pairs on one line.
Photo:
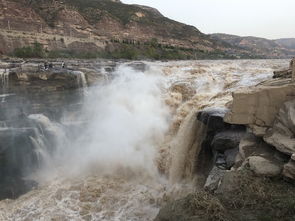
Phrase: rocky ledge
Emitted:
{"points": [[248, 153], [34, 96], [268, 111]]}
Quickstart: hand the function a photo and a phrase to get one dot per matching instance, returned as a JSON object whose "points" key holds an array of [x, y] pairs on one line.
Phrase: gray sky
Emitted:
{"points": [[262, 18]]}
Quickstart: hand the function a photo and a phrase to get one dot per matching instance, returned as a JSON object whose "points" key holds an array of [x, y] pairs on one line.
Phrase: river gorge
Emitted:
{"points": [[106, 140]]}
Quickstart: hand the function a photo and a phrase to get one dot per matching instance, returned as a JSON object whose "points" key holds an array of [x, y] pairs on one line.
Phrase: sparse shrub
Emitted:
{"points": [[35, 51]]}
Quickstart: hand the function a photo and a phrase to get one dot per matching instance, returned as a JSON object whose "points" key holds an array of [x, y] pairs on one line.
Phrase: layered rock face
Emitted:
{"points": [[268, 112], [257, 107], [91, 26], [21, 26]]}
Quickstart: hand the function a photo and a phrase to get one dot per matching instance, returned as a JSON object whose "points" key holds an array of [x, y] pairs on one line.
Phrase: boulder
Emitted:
{"points": [[227, 140], [281, 142], [258, 106], [228, 182], [264, 167], [254, 146], [281, 136]]}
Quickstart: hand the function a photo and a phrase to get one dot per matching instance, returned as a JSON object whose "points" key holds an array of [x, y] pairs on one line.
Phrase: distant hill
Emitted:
{"points": [[281, 48], [98, 28], [108, 29], [286, 42]]}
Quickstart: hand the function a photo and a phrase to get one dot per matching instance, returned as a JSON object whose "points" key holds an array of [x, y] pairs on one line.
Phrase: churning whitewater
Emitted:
{"points": [[126, 150]]}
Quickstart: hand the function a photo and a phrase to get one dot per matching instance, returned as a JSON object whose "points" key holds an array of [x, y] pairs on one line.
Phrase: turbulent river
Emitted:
{"points": [[119, 164]]}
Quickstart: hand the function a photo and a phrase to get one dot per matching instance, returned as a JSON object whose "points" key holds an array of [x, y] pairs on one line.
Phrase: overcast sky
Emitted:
{"points": [[262, 18]]}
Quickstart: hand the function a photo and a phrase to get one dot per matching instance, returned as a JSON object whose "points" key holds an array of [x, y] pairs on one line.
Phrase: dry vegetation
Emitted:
{"points": [[242, 197]]}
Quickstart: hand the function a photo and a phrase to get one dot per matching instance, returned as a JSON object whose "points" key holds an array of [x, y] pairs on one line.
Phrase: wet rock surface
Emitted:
{"points": [[219, 147], [226, 140], [32, 98], [213, 118]]}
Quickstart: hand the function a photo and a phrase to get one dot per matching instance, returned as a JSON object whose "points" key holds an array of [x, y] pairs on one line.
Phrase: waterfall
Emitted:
{"points": [[4, 78], [185, 148], [49, 139], [81, 79], [40, 148]]}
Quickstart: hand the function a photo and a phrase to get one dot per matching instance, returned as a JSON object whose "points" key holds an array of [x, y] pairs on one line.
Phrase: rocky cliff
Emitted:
{"points": [[103, 28]]}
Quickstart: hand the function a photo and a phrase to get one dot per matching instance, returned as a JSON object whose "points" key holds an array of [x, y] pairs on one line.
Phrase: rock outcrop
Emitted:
{"points": [[250, 158], [268, 111], [257, 107], [281, 135], [94, 28]]}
